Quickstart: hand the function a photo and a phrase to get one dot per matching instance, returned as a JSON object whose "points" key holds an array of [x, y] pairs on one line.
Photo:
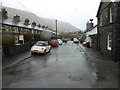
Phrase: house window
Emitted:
{"points": [[17, 30], [32, 31], [4, 27], [110, 15], [11, 29], [7, 29], [36, 31], [101, 20], [109, 45]]}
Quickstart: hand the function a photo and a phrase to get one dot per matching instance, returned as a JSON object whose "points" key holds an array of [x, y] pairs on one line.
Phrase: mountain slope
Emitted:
{"points": [[62, 26]]}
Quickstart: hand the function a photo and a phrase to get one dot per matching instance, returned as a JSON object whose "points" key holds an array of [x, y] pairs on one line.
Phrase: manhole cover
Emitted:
{"points": [[75, 78]]}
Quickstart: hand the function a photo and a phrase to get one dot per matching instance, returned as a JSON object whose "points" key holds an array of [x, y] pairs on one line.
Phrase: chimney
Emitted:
{"points": [[16, 18], [27, 21], [89, 25], [39, 25], [33, 23], [4, 13]]}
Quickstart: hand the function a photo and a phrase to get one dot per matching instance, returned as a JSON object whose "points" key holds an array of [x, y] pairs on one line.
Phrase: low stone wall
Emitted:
{"points": [[94, 43], [10, 51]]}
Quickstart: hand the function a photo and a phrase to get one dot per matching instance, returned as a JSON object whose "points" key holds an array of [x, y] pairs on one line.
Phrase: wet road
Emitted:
{"points": [[64, 67]]}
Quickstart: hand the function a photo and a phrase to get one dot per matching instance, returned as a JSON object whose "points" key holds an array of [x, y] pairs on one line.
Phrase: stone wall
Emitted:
{"points": [[11, 51], [94, 42], [110, 27], [116, 48]]}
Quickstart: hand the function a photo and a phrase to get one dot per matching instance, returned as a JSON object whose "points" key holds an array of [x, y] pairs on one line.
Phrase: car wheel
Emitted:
{"points": [[50, 50], [32, 53], [44, 51]]}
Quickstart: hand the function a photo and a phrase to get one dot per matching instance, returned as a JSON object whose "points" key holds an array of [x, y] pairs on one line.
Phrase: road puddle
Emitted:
{"points": [[76, 78]]}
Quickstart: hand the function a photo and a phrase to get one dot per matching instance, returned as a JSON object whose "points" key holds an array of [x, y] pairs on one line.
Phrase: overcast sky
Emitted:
{"points": [[76, 12]]}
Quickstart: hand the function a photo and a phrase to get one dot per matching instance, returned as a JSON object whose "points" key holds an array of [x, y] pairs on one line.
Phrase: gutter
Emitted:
{"points": [[14, 63]]}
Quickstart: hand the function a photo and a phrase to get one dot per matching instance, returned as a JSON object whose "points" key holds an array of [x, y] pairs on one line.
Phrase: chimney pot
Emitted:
{"points": [[26, 21], [16, 18], [4, 13], [34, 23]]}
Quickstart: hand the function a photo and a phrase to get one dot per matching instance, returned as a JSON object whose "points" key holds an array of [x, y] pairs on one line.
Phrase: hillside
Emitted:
{"points": [[62, 26]]}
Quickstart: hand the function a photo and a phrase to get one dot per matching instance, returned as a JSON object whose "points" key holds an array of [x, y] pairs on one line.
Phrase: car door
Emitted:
{"points": [[47, 47]]}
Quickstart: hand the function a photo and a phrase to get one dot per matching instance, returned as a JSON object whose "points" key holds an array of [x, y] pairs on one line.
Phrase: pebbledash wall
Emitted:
{"points": [[109, 29]]}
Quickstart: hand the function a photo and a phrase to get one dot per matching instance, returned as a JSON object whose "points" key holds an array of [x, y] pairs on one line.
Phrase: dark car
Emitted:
{"points": [[54, 43], [65, 40]]}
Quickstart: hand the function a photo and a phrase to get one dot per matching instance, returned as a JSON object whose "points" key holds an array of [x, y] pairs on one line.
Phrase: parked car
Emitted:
{"points": [[84, 44], [60, 41], [54, 42], [75, 40], [65, 40], [41, 47]]}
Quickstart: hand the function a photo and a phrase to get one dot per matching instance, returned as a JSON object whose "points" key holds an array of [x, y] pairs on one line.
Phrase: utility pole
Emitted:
{"points": [[56, 28], [1, 4]]}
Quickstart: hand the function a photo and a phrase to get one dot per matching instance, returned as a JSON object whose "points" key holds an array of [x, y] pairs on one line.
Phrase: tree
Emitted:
{"points": [[36, 37], [68, 35], [28, 37]]}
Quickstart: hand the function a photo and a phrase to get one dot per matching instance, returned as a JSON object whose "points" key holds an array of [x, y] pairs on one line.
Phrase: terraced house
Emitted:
{"points": [[108, 16], [18, 29]]}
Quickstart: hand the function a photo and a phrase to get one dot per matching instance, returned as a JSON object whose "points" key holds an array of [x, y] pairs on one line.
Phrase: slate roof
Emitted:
{"points": [[11, 22]]}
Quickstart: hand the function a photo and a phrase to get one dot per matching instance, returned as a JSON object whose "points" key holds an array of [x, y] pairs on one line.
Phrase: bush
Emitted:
{"points": [[8, 41]]}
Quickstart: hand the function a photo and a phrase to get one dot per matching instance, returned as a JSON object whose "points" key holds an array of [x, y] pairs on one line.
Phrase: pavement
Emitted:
{"points": [[107, 68], [8, 62]]}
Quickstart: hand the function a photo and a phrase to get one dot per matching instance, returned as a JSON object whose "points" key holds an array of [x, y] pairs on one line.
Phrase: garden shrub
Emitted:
{"points": [[8, 41]]}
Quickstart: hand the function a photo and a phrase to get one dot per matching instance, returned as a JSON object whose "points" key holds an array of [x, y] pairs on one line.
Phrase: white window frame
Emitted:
{"points": [[32, 31], [17, 30], [35, 31], [111, 15], [7, 30], [101, 20], [109, 41]]}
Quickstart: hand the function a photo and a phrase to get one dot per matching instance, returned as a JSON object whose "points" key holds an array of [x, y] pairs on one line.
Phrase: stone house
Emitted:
{"points": [[108, 16], [16, 28], [91, 36]]}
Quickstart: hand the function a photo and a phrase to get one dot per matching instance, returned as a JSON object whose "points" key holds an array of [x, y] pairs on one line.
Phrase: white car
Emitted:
{"points": [[41, 47], [75, 40], [60, 41]]}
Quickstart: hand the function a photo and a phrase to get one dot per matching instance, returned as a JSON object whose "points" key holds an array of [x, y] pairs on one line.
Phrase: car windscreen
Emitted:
{"points": [[75, 39], [54, 41], [41, 44]]}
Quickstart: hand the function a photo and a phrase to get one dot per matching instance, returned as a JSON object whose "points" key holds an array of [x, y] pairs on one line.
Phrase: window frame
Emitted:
{"points": [[101, 20], [110, 14], [109, 41]]}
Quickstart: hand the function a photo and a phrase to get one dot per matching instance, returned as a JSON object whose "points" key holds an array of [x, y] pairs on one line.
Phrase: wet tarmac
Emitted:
{"points": [[65, 66]]}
